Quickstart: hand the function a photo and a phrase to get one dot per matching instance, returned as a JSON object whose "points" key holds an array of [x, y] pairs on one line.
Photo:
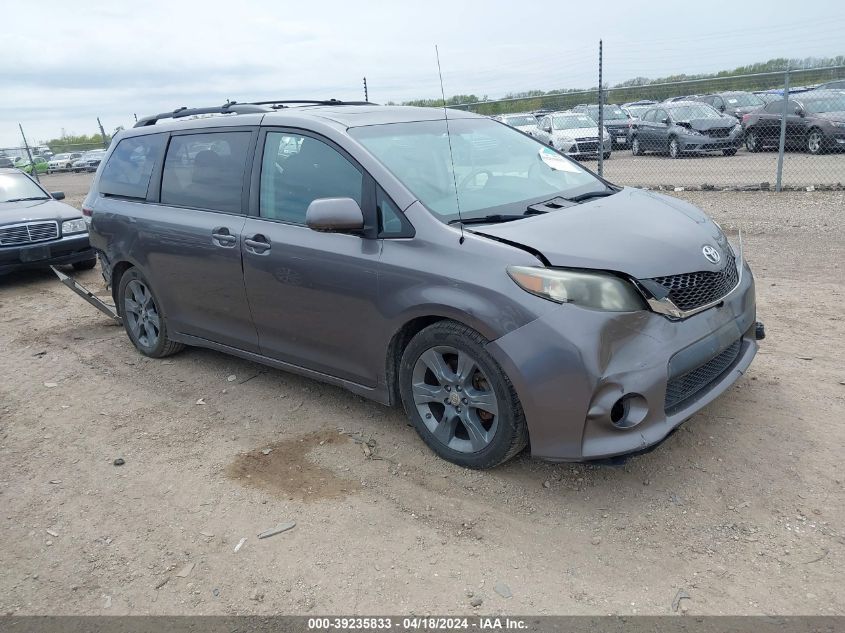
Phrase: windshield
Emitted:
{"points": [[521, 120], [572, 122], [638, 110], [496, 169], [743, 99], [690, 112], [610, 113], [17, 186], [61, 156], [827, 104]]}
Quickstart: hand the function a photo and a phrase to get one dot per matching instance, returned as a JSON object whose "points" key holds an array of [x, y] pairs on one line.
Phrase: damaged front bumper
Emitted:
{"points": [[598, 384]]}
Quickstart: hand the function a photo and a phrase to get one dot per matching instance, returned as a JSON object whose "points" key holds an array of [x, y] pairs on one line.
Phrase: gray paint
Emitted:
{"points": [[328, 305]]}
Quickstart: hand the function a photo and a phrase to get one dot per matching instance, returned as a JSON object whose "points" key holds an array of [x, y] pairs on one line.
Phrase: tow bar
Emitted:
{"points": [[90, 297]]}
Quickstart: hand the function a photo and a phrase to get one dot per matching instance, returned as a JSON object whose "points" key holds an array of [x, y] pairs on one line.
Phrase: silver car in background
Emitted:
{"points": [[574, 133], [522, 121]]}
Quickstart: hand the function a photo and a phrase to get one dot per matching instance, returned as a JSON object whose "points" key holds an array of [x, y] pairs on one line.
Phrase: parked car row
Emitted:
{"points": [[694, 124]]}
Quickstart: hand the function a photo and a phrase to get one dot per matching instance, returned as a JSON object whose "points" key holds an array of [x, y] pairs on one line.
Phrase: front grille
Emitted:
{"points": [[719, 132], [587, 139], [27, 233], [689, 291], [682, 388]]}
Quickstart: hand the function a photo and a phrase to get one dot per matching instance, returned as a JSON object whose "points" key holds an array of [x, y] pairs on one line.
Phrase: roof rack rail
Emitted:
{"points": [[233, 107], [230, 107], [283, 103]]}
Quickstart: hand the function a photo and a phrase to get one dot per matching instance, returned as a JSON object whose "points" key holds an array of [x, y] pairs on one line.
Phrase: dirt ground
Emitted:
{"points": [[742, 510]]}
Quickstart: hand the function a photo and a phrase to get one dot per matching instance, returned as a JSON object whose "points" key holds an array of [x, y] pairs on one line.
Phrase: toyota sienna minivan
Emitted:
{"points": [[502, 293]]}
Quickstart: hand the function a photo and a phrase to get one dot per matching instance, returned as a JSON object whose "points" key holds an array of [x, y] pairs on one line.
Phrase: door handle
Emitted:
{"points": [[257, 244], [221, 236]]}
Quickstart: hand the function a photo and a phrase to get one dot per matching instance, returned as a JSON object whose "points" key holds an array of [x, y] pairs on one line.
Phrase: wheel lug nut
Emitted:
{"points": [[458, 409], [448, 388], [458, 387], [464, 400]]}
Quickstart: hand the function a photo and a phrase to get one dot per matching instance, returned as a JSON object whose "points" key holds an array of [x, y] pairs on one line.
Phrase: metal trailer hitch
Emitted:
{"points": [[90, 297]]}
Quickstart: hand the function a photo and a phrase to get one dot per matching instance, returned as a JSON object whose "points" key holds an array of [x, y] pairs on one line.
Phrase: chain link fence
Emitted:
{"points": [[714, 133]]}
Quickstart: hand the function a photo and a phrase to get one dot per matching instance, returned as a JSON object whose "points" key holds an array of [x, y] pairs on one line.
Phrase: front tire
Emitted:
{"points": [[142, 318], [729, 152], [815, 142], [674, 148], [752, 141], [606, 155], [636, 150], [460, 401]]}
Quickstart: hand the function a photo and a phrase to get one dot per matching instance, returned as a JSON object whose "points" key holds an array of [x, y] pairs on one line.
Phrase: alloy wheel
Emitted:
{"points": [[751, 141], [635, 146], [141, 313], [455, 399], [814, 142], [674, 150]]}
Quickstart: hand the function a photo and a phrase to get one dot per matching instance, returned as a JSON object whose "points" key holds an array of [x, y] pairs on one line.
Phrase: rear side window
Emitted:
{"points": [[206, 171], [128, 170]]}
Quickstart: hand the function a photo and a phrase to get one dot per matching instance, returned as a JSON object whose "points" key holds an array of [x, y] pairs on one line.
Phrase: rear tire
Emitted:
{"points": [[87, 264], [460, 401], [142, 318], [606, 155], [729, 152]]}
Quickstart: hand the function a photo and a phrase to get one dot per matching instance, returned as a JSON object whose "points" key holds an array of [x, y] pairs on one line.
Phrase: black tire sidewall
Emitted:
{"points": [[159, 348], [510, 411]]}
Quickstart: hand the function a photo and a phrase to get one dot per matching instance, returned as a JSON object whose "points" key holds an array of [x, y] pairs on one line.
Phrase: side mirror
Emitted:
{"points": [[57, 195], [547, 128], [722, 108], [799, 111], [334, 215], [665, 121]]}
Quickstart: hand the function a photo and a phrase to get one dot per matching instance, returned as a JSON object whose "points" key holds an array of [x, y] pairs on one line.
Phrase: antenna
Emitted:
{"points": [[449, 138]]}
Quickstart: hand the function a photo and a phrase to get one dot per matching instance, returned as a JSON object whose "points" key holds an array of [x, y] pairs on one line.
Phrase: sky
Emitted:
{"points": [[66, 63]]}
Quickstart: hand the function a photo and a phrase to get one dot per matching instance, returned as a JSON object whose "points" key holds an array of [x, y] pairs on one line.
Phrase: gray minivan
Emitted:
{"points": [[501, 292]]}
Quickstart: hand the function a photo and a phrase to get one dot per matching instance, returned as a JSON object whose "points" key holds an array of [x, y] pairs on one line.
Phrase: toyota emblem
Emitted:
{"points": [[711, 254]]}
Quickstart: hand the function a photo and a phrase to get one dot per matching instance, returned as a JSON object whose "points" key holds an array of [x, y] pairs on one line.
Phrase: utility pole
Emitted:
{"points": [[29, 155], [601, 116], [103, 133], [366, 96], [782, 143]]}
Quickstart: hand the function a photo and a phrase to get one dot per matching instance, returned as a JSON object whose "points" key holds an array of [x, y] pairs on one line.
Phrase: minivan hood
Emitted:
{"points": [[637, 232], [30, 210]]}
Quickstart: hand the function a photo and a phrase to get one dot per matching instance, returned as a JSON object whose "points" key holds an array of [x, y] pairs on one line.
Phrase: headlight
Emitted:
{"points": [[689, 130], [838, 123], [736, 128], [589, 290], [74, 226]]}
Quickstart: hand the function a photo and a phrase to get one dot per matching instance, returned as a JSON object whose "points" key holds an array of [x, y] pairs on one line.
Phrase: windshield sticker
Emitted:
{"points": [[556, 161]]}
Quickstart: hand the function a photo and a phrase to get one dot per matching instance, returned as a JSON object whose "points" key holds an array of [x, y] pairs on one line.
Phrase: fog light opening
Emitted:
{"points": [[628, 411]]}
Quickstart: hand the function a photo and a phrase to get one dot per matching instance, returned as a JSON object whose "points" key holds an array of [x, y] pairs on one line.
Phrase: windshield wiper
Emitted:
{"points": [[26, 199], [488, 219], [593, 194]]}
